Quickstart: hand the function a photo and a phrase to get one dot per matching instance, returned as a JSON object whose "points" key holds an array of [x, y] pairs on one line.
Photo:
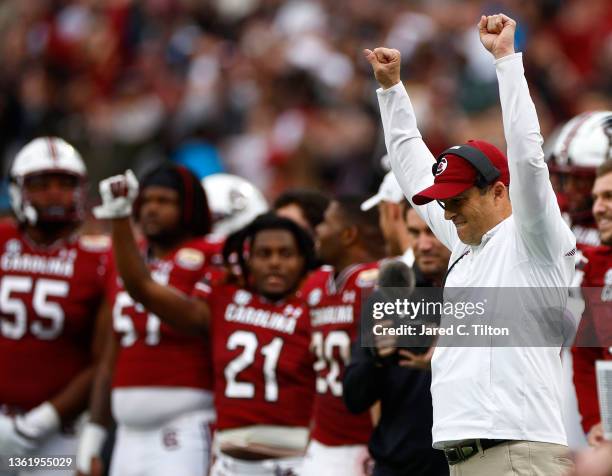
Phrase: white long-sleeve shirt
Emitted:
{"points": [[494, 392]]}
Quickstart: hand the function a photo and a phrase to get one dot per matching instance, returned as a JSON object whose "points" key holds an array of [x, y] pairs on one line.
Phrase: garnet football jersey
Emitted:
{"points": [[317, 278], [49, 298], [262, 363], [335, 309], [595, 329], [151, 353]]}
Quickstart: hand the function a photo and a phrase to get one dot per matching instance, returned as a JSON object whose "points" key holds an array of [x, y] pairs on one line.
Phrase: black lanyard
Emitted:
{"points": [[453, 265]]}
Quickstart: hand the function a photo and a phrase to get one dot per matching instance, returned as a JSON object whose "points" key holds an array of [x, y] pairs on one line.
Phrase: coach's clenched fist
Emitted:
{"points": [[386, 65], [497, 34]]}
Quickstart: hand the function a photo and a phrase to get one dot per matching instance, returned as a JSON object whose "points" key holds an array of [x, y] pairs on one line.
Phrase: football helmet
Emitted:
{"points": [[582, 144], [573, 155], [233, 201], [46, 155]]}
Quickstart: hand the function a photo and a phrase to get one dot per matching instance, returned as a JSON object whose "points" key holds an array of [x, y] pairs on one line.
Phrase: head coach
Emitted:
{"points": [[496, 410]]}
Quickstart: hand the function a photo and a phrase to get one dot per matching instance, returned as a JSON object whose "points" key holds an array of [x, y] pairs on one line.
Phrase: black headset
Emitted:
{"points": [[487, 172]]}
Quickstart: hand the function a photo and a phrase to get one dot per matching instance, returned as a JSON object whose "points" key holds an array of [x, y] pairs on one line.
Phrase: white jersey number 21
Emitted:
{"points": [[249, 343]]}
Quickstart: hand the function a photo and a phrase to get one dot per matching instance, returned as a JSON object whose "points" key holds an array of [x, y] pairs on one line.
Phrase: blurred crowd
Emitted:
{"points": [[277, 91]]}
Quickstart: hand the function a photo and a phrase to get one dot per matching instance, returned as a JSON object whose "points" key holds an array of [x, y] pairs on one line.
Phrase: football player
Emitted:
{"points": [[351, 242], [260, 333], [574, 154], [52, 282], [161, 379], [594, 339]]}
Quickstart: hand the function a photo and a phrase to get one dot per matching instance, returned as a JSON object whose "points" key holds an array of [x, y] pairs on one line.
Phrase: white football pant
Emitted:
{"points": [[179, 446], [347, 460]]}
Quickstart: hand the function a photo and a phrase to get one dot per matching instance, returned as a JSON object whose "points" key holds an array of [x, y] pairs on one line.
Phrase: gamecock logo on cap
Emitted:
{"points": [[441, 166]]}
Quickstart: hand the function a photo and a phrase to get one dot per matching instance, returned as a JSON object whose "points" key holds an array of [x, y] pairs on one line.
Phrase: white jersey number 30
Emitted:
{"points": [[323, 348]]}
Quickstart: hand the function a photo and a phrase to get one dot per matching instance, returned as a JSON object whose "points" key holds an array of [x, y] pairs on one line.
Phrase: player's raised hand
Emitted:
{"points": [[497, 34], [386, 64], [118, 194]]}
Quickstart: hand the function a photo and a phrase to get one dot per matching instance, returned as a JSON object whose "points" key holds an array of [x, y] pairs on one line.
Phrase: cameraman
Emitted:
{"points": [[401, 442]]}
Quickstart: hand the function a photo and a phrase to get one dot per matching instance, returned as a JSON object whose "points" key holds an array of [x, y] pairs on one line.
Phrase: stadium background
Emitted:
{"points": [[277, 91]]}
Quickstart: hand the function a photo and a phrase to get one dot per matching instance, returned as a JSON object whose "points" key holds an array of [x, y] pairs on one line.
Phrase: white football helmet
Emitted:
{"points": [[46, 155], [233, 201], [582, 144]]}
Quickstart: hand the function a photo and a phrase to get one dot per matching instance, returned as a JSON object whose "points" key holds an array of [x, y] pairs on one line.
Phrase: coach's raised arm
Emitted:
{"points": [[500, 219]]}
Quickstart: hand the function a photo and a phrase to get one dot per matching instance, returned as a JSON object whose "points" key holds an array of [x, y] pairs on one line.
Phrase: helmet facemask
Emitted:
{"points": [[26, 193]]}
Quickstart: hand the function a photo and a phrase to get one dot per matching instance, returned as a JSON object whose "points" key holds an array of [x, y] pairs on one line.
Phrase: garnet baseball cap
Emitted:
{"points": [[454, 174], [389, 191]]}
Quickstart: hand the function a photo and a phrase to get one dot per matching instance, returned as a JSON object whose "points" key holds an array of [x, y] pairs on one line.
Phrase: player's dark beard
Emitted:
{"points": [[54, 227], [49, 231], [55, 220]]}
